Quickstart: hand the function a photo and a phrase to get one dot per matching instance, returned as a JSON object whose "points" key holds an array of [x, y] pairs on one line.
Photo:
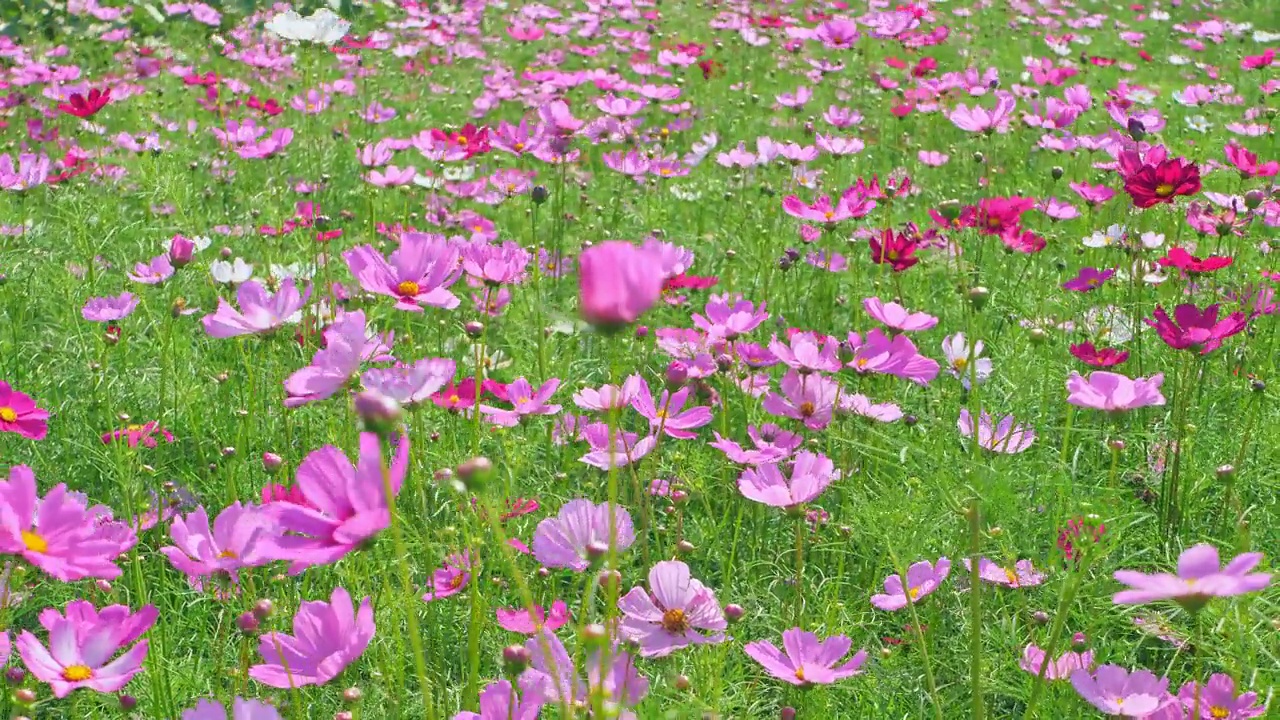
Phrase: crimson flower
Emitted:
{"points": [[1154, 184], [86, 107], [690, 282], [1194, 329], [1086, 353], [999, 215], [894, 249], [1179, 258], [474, 140]]}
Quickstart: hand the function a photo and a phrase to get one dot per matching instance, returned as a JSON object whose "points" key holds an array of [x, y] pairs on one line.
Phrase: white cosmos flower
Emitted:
{"points": [[1199, 123], [1113, 235], [1109, 325], [230, 272], [297, 271], [322, 26]]}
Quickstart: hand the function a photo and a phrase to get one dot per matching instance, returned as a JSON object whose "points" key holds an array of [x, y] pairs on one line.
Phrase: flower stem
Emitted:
{"points": [[975, 609], [1055, 634]]}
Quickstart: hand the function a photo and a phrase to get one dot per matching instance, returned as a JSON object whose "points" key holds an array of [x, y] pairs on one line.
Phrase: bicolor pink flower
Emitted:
{"points": [[666, 413], [57, 533], [450, 579], [19, 414], [671, 613], [1022, 574], [1113, 392], [327, 637], [1006, 437], [259, 311], [241, 536], [109, 309], [241, 709], [896, 317], [415, 274], [1200, 577], [579, 529], [922, 579], [1059, 669], [519, 620], [154, 272], [82, 643], [772, 444], [807, 352], [964, 362], [347, 505], [805, 660], [810, 474], [614, 448], [851, 204], [808, 398], [1117, 692]]}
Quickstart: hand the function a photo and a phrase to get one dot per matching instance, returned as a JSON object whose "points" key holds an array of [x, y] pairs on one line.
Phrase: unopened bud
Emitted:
{"points": [[128, 702], [1226, 471], [1079, 642], [271, 462], [1040, 617], [1253, 199], [473, 329], [474, 472], [595, 634], [1056, 172], [263, 609], [378, 413], [515, 658], [642, 332], [677, 375], [15, 675], [539, 194], [247, 623], [734, 612], [978, 297], [1116, 445], [684, 547], [24, 696], [787, 713], [682, 682], [352, 695], [949, 209]]}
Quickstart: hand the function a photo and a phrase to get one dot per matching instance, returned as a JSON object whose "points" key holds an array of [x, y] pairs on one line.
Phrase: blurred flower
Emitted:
{"points": [[327, 636]]}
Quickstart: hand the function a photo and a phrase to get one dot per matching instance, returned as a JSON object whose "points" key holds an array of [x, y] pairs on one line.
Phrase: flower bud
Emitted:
{"points": [[515, 658], [787, 713], [978, 297], [1137, 130], [1079, 642], [180, 251], [247, 623], [128, 702], [1056, 172], [103, 586], [24, 696], [609, 578], [595, 634], [271, 462], [642, 332], [1253, 199], [684, 547], [733, 612], [597, 551], [682, 682], [1040, 617], [474, 473], [539, 194], [352, 695], [949, 209], [1037, 336], [1226, 471], [15, 675], [677, 375], [979, 158], [263, 609], [1116, 445], [378, 413], [344, 715], [473, 329]]}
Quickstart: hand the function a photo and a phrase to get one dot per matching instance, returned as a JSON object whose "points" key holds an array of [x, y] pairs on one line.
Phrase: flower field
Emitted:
{"points": [[735, 359]]}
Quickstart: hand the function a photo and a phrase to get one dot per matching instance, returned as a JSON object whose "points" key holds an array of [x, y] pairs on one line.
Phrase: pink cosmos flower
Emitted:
{"points": [[154, 272], [500, 701], [1247, 163], [1007, 437], [729, 317], [851, 204], [19, 414], [810, 474], [31, 171], [980, 119], [242, 536], [81, 644], [670, 614], [807, 352], [891, 355], [1060, 669], [1022, 574], [57, 533], [617, 283], [109, 309], [807, 398], [1195, 329], [347, 505], [1199, 578], [609, 397], [347, 345], [241, 709], [415, 274], [563, 541], [450, 579], [1113, 392], [1117, 692], [327, 637], [148, 435], [1217, 700], [772, 444], [666, 413], [410, 385], [862, 406], [922, 579], [618, 683], [259, 312], [805, 660], [525, 402], [896, 317], [518, 619], [614, 449]]}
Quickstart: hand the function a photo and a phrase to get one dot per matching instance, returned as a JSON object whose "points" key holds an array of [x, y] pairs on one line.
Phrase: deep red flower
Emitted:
{"points": [[86, 107], [690, 282], [1102, 61], [1179, 258], [1086, 353], [474, 140], [998, 215], [269, 107], [1194, 329], [710, 68], [925, 67], [1161, 183], [893, 249]]}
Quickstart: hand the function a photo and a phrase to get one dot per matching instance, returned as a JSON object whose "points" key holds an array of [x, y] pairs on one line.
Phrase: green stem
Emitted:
{"points": [[1055, 634], [975, 609]]}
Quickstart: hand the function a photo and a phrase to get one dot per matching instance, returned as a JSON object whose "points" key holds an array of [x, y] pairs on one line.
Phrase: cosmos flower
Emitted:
{"points": [[450, 579], [809, 474], [1060, 669], [805, 660], [619, 683], [581, 528], [416, 274], [109, 309], [671, 613], [728, 317], [1006, 437], [500, 701], [241, 709], [965, 363], [519, 620], [808, 398], [1113, 392], [82, 642], [259, 312], [897, 318], [241, 536], [1086, 353], [1022, 574], [1150, 185], [1194, 329], [771, 444], [1217, 700], [1200, 578], [323, 27], [1117, 692], [327, 637], [57, 533], [923, 578], [667, 414], [19, 414], [525, 402], [1088, 279], [617, 283]]}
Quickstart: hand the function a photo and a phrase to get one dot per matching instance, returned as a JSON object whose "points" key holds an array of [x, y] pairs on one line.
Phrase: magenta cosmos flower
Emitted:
{"points": [[805, 660], [922, 579], [896, 317], [327, 637], [670, 614], [1022, 574], [1218, 700], [1007, 437], [57, 534], [811, 399], [771, 444], [347, 505], [617, 283], [666, 413], [520, 621], [525, 401], [1117, 692], [1113, 392], [500, 701], [109, 309], [347, 345], [241, 709], [1191, 328], [82, 643], [450, 579], [1060, 669], [259, 313], [19, 414], [415, 274], [811, 473], [562, 541], [1199, 578], [728, 317], [241, 536]]}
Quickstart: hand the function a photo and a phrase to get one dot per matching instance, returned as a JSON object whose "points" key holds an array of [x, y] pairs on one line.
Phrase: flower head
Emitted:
{"points": [[1007, 437], [1021, 575], [1196, 329], [1113, 392], [1200, 577], [1116, 691], [57, 533], [810, 474], [617, 283], [671, 613], [922, 579], [562, 541], [109, 309], [327, 637], [82, 643], [241, 709], [805, 660], [19, 414], [1059, 669]]}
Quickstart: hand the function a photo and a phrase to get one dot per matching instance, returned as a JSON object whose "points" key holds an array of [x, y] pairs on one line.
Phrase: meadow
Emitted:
{"points": [[639, 359]]}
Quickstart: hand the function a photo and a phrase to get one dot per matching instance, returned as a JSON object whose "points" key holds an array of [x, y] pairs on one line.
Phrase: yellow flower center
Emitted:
{"points": [[8, 414], [519, 146], [800, 674], [462, 140], [454, 399], [77, 673], [664, 171], [806, 409], [673, 621], [662, 413], [829, 214], [1219, 712], [914, 593], [456, 581], [1164, 190], [227, 555], [892, 254], [477, 228], [407, 288], [1011, 577], [960, 363], [34, 542]]}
